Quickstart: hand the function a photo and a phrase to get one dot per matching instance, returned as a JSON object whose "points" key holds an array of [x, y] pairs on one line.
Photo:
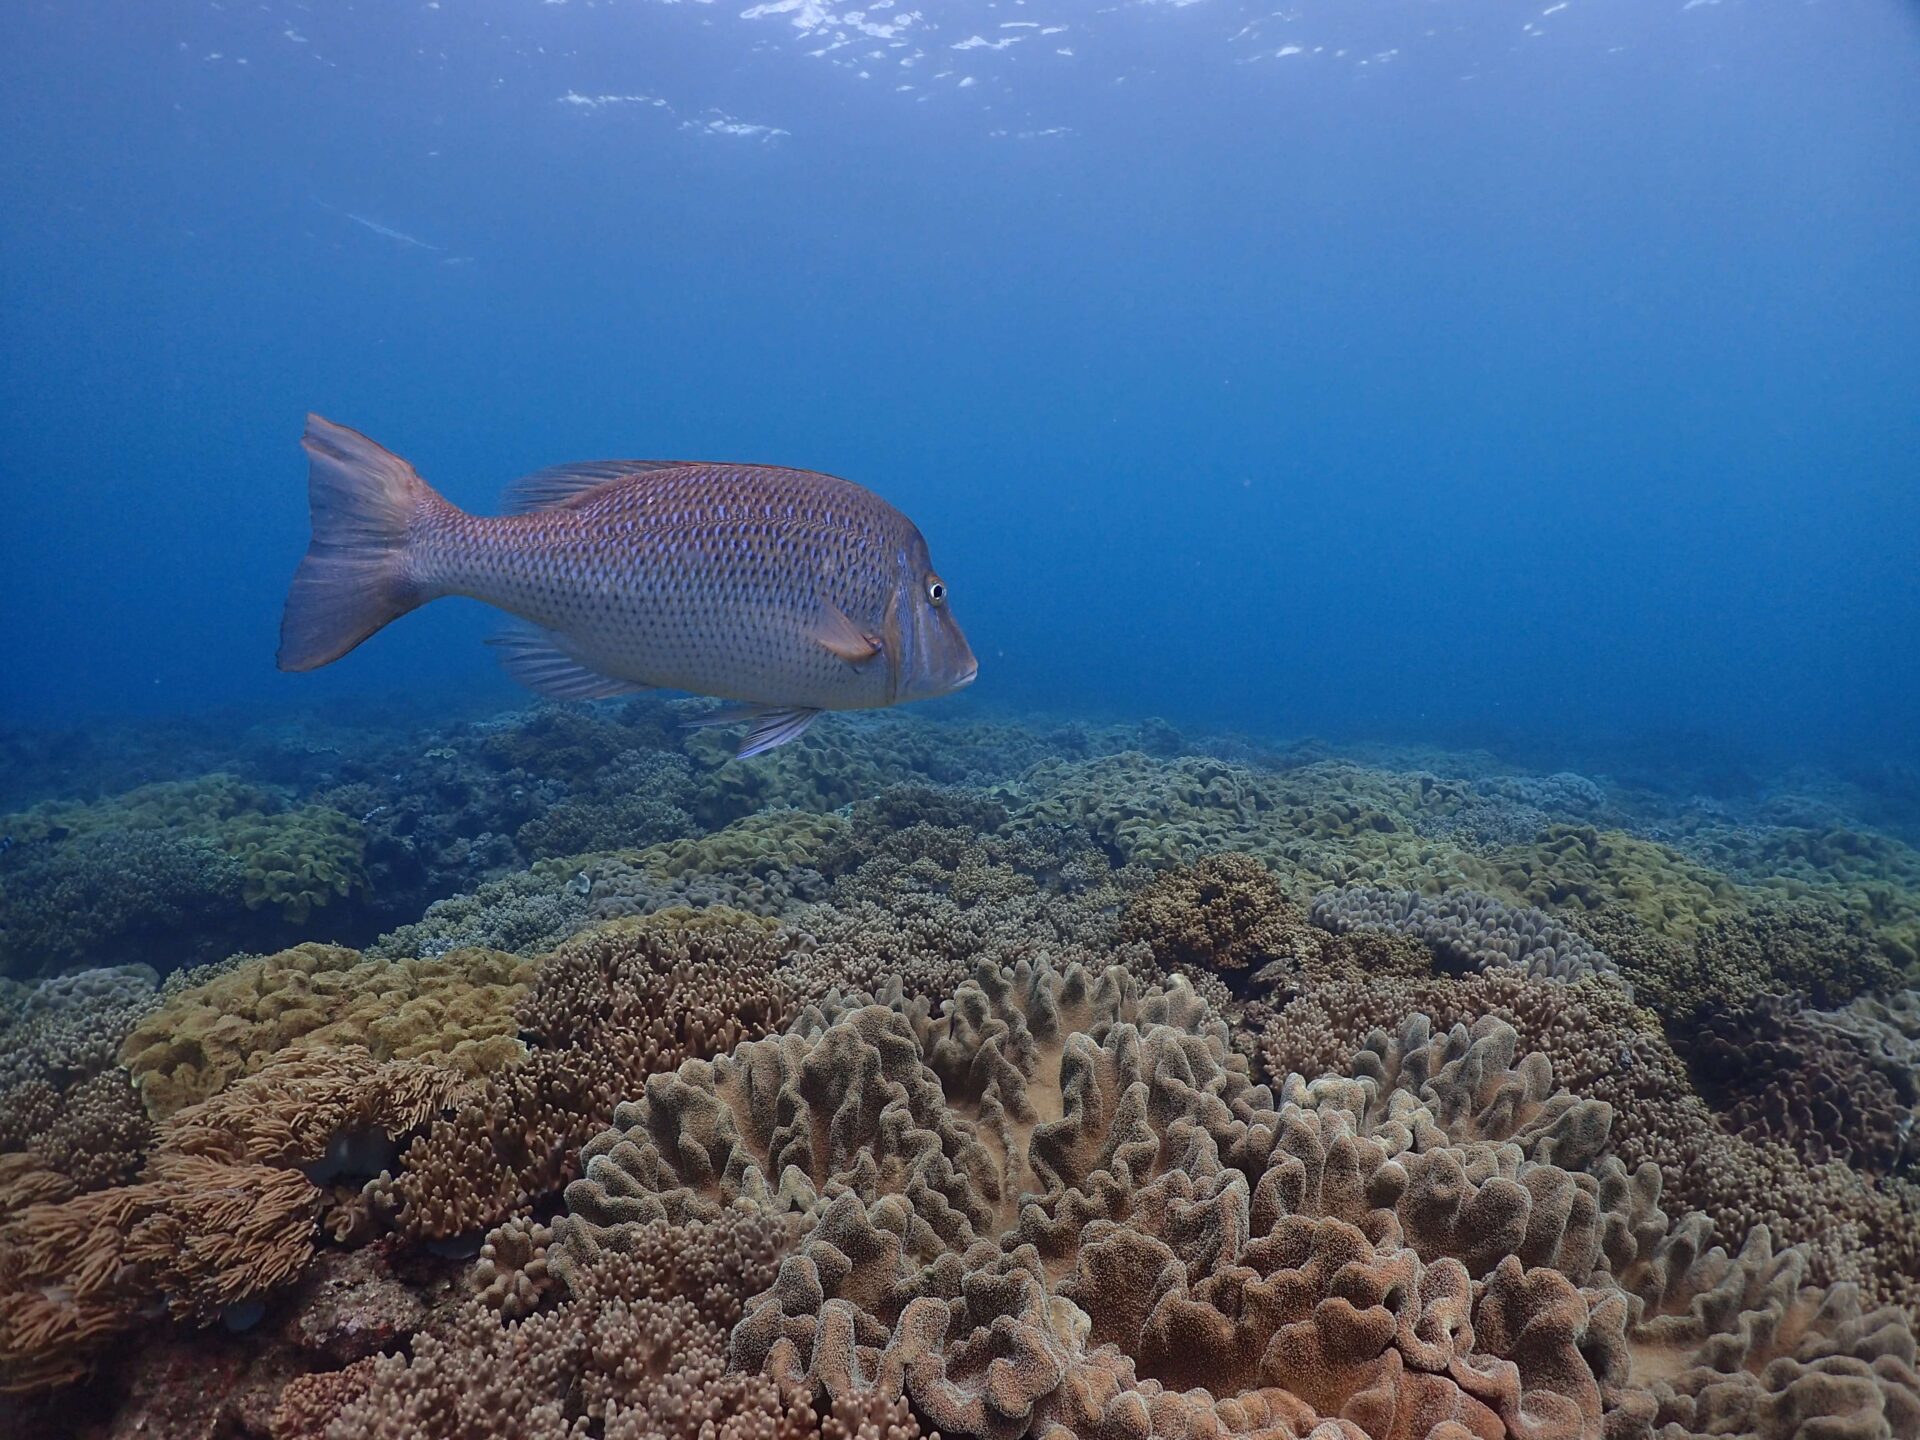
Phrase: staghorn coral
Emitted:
{"points": [[610, 1007], [1466, 930], [1034, 1216], [458, 1007]]}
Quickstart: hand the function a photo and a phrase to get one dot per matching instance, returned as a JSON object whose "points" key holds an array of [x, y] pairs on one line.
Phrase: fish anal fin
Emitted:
{"points": [[769, 726], [836, 631], [774, 729], [562, 486], [539, 660]]}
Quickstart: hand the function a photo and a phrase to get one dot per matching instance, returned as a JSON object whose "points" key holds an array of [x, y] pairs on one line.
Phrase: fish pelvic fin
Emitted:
{"points": [[768, 726], [540, 660], [353, 579]]}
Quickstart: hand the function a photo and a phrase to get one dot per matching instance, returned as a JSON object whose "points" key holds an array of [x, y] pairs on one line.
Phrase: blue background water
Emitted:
{"points": [[1477, 371]]}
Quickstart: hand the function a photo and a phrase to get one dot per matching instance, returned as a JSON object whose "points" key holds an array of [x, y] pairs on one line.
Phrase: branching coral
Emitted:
{"points": [[609, 1008], [637, 1348]]}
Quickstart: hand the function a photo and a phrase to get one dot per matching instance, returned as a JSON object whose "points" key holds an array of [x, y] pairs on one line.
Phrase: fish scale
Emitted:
{"points": [[788, 590]]}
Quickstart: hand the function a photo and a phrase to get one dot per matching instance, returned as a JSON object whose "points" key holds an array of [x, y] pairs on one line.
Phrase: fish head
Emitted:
{"points": [[932, 655]]}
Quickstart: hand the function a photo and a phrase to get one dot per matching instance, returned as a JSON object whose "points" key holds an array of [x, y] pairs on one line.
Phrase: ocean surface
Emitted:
{"points": [[1415, 925]]}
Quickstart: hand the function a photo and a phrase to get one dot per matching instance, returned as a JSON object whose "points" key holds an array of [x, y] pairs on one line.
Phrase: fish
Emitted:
{"points": [[787, 592]]}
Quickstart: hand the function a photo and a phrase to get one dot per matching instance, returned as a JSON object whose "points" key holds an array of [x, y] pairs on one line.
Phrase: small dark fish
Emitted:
{"points": [[787, 590], [6, 843]]}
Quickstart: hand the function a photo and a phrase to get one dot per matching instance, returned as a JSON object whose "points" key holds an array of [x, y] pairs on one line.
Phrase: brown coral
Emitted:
{"points": [[1782, 1072], [1059, 1209], [636, 1349], [1603, 1046], [194, 1237], [609, 1008], [1223, 912]]}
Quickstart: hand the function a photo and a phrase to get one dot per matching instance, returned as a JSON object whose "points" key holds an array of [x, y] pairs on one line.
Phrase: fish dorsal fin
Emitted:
{"points": [[560, 486], [539, 660], [835, 630]]}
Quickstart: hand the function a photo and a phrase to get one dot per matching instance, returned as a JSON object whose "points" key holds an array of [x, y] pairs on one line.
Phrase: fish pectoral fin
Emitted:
{"points": [[770, 726], [560, 486], [836, 631], [539, 660]]}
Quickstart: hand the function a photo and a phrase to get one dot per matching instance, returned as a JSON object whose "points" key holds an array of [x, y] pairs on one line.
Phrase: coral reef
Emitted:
{"points": [[1466, 930], [969, 1078], [609, 1008], [1814, 1082]]}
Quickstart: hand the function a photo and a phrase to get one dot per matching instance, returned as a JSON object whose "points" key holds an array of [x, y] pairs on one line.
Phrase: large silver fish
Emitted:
{"points": [[787, 590]]}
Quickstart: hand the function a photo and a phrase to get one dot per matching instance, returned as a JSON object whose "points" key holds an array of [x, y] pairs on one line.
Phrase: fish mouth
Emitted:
{"points": [[966, 676]]}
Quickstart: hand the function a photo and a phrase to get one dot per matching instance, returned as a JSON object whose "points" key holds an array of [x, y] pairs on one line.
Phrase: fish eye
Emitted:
{"points": [[936, 590]]}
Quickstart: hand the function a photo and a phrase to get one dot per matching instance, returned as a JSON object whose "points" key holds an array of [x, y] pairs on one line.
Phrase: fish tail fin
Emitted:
{"points": [[353, 579]]}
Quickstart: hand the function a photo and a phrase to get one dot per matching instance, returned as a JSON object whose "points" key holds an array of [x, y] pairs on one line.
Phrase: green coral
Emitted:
{"points": [[764, 843], [458, 1008], [1875, 876], [1320, 825], [291, 858], [298, 859], [1578, 868]]}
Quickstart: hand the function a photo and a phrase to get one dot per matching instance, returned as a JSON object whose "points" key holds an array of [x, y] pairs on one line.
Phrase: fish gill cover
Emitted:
{"points": [[1415, 931]]}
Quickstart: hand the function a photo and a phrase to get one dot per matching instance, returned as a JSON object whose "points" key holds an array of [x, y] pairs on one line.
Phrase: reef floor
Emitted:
{"points": [[544, 1074]]}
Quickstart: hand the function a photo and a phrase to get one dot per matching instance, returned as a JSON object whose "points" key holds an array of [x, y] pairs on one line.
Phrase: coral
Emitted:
{"points": [[309, 1404], [172, 861], [1875, 877], [193, 1237], [610, 1007], [1571, 867], [636, 1348], [325, 1111], [1467, 930], [1783, 1072], [526, 913], [70, 1028], [1217, 913], [458, 1007], [1061, 1210], [97, 1136], [1605, 1047], [637, 800], [297, 860], [1769, 946], [116, 897], [1323, 824], [512, 1277]]}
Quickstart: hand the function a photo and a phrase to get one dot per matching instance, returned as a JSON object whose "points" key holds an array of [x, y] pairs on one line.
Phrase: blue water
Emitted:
{"points": [[1477, 371]]}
